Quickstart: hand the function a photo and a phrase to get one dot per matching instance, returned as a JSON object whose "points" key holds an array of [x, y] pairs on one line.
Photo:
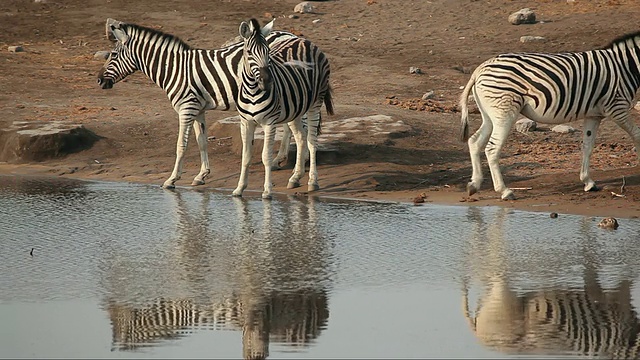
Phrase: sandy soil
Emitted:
{"points": [[371, 45]]}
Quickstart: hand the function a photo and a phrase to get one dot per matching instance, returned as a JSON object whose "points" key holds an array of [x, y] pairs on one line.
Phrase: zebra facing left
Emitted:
{"points": [[552, 89], [279, 84], [195, 80]]}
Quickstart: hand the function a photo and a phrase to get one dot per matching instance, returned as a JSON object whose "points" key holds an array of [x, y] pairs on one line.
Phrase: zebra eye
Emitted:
{"points": [[114, 54]]}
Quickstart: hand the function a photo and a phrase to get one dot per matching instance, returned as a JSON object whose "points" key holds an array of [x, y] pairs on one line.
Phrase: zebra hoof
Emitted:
{"points": [[471, 189], [591, 187], [266, 196], [169, 186], [313, 187], [293, 185], [236, 193], [508, 195], [197, 182]]}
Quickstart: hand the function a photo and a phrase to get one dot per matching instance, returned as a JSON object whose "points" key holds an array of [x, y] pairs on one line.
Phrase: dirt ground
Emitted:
{"points": [[371, 45]]}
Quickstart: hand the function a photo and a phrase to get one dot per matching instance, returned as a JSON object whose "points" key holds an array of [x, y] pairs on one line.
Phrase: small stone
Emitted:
{"points": [[523, 16], [526, 125], [608, 223], [16, 48], [415, 70], [316, 21], [101, 55], [428, 95], [293, 16], [303, 8], [526, 39], [553, 215], [563, 129]]}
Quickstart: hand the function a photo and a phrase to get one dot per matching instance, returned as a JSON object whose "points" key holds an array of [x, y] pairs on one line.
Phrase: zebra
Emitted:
{"points": [[551, 88], [279, 84], [195, 80]]}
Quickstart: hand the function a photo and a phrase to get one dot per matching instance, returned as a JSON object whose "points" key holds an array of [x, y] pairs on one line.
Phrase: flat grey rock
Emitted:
{"points": [[26, 141]]}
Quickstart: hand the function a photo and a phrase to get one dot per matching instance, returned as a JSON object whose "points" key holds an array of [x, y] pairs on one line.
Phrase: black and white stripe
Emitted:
{"points": [[279, 84], [161, 320], [551, 89], [195, 80]]}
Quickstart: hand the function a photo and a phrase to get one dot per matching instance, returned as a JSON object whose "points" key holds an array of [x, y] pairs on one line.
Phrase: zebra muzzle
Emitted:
{"points": [[265, 79], [105, 83]]}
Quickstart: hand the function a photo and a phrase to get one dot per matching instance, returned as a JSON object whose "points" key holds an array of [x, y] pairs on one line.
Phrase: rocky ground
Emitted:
{"points": [[372, 44]]}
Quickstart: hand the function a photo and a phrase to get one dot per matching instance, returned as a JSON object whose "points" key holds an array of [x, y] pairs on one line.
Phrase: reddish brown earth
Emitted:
{"points": [[371, 45]]}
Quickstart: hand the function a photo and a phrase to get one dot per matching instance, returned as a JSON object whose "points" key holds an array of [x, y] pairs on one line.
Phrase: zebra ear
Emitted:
{"points": [[119, 34], [111, 22], [267, 28], [245, 30]]}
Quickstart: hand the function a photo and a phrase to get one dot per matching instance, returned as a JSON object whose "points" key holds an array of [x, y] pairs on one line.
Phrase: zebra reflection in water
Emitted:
{"points": [[553, 320], [273, 286]]}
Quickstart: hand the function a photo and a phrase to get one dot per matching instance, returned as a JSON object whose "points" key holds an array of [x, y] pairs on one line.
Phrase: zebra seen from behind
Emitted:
{"points": [[195, 80], [551, 88], [279, 84]]}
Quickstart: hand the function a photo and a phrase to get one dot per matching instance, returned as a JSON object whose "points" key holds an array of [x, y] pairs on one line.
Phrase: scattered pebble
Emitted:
{"points": [[553, 215], [525, 125], [303, 8], [15, 48], [415, 70], [523, 16], [608, 223], [526, 39], [563, 129], [101, 55], [428, 95]]}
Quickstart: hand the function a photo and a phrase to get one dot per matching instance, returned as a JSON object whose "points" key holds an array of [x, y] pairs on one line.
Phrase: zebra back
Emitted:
{"points": [[193, 78]]}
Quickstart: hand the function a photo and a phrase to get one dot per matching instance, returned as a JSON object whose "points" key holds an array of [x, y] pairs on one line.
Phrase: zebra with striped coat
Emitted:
{"points": [[552, 89], [279, 84], [195, 80]]}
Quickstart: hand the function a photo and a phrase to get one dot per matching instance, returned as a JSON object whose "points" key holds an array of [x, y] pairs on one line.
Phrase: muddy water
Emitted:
{"points": [[123, 270]]}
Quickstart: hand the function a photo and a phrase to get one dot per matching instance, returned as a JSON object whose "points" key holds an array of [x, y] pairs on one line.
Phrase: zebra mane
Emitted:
{"points": [[621, 39], [143, 29]]}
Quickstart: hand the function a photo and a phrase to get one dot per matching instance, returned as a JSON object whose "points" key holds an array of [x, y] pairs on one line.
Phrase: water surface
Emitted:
{"points": [[124, 270]]}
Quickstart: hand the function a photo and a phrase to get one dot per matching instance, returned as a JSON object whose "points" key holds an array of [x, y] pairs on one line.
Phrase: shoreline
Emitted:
{"points": [[446, 196]]}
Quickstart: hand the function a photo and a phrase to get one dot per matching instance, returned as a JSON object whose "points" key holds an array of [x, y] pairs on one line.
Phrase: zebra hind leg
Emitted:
{"points": [[477, 142], [199, 128], [501, 128], [313, 123], [588, 140], [283, 151]]}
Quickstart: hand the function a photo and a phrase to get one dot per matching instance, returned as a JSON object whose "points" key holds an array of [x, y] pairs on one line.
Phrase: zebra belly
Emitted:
{"points": [[538, 115]]}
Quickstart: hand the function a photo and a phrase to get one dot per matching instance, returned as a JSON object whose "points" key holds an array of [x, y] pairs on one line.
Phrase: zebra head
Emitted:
{"points": [[120, 62], [256, 52]]}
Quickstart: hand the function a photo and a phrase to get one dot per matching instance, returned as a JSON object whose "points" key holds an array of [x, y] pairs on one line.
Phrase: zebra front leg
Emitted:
{"points": [[247, 131], [498, 137], [301, 149], [199, 127], [267, 148], [283, 151], [181, 146], [313, 122], [588, 139]]}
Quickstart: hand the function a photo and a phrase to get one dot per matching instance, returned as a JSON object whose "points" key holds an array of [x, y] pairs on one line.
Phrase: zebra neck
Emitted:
{"points": [[164, 64]]}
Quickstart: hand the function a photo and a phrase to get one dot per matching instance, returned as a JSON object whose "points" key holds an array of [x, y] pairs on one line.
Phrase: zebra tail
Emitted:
{"points": [[464, 109], [328, 105], [328, 100]]}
